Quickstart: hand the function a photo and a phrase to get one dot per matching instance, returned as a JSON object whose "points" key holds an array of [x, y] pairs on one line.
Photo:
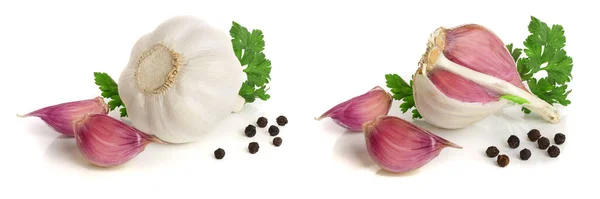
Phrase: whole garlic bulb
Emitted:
{"points": [[463, 75], [181, 80]]}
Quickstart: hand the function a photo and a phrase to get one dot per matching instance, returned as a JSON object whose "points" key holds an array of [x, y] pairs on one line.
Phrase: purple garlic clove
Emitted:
{"points": [[463, 76], [477, 48], [353, 113], [105, 141], [60, 117], [399, 146]]}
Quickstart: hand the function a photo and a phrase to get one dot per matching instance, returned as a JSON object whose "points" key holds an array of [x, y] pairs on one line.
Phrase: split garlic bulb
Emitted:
{"points": [[181, 80], [463, 75]]}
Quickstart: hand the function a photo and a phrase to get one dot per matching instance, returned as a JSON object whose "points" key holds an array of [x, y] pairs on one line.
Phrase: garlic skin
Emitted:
{"points": [[462, 75], [399, 146], [353, 113], [60, 117], [182, 79], [105, 141]]}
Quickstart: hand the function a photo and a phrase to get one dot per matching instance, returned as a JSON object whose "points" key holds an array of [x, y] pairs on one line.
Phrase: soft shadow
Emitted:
{"points": [[248, 110], [384, 173], [510, 115], [351, 147], [331, 127], [63, 151], [40, 128], [434, 129], [426, 125]]}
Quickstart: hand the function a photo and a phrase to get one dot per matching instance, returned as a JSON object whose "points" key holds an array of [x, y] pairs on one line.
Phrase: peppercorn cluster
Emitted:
{"points": [[534, 135], [250, 131]]}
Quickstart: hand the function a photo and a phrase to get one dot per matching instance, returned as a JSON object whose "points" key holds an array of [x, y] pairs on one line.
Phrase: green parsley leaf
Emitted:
{"points": [[545, 46], [248, 47], [559, 68], [244, 41], [402, 91], [416, 114], [549, 92], [258, 70], [516, 53], [524, 71], [249, 93], [544, 51], [123, 111], [110, 90]]}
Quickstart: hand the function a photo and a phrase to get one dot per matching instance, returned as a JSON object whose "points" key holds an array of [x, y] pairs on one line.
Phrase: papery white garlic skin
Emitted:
{"points": [[444, 112], [60, 117], [398, 146], [353, 113], [182, 80], [462, 75]]}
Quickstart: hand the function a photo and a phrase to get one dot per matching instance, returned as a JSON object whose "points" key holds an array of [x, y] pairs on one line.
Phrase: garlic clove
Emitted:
{"points": [[353, 113], [399, 146], [60, 117], [463, 75], [105, 141], [477, 48]]}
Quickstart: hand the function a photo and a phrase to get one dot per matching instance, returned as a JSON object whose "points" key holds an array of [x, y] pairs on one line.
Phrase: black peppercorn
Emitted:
{"points": [[250, 130], [503, 160], [253, 147], [543, 143], [559, 138], [525, 154], [282, 120], [534, 135], [513, 141], [219, 153], [262, 122], [553, 151], [277, 141], [273, 130], [492, 151]]}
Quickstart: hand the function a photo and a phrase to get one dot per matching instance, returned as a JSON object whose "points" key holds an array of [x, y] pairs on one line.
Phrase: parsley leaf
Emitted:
{"points": [[249, 93], [258, 70], [248, 47], [548, 92], [402, 91], [110, 90], [515, 53], [544, 50], [416, 114]]}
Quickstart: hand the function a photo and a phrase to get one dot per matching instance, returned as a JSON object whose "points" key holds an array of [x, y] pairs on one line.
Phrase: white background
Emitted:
{"points": [[323, 52]]}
